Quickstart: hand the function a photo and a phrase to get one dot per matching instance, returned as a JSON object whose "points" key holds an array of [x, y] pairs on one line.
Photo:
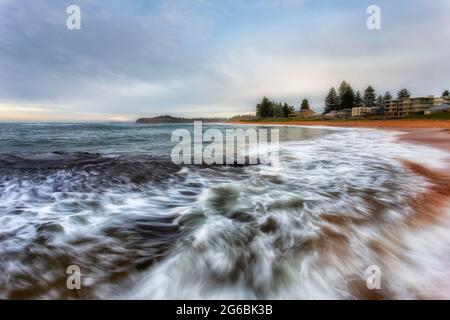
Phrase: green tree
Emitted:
{"points": [[446, 93], [380, 105], [369, 97], [403, 94], [346, 96], [358, 99], [278, 110], [304, 105], [331, 101], [341, 92], [287, 110], [380, 102], [387, 96], [265, 109]]}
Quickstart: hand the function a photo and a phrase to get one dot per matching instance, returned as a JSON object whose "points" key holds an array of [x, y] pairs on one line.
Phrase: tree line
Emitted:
{"points": [[271, 109], [346, 98]]}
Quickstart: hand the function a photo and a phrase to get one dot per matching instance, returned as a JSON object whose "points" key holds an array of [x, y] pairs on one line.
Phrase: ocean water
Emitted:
{"points": [[107, 198]]}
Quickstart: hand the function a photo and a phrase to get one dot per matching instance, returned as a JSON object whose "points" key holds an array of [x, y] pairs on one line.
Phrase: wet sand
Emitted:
{"points": [[434, 137], [432, 206]]}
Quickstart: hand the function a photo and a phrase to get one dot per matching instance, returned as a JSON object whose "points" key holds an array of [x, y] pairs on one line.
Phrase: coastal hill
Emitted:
{"points": [[163, 119], [170, 119]]}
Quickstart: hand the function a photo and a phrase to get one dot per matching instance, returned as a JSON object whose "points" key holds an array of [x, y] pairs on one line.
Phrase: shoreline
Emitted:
{"points": [[394, 124], [434, 133]]}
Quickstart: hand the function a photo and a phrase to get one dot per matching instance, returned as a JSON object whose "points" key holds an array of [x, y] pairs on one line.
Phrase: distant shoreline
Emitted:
{"points": [[394, 124], [169, 119]]}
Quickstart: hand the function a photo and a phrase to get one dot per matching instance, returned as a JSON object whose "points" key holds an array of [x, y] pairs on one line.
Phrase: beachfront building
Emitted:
{"points": [[438, 109], [359, 112], [404, 107], [337, 114], [443, 100], [344, 113]]}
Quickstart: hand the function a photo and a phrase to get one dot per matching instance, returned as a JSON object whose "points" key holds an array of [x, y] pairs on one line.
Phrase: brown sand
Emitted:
{"points": [[428, 206], [433, 137]]}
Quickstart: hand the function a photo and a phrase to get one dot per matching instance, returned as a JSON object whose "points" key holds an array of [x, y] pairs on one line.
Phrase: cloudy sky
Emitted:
{"points": [[210, 57]]}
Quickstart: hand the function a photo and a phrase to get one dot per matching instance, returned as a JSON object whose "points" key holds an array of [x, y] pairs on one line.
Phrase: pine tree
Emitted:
{"points": [[304, 105], [342, 92], [446, 93], [387, 96], [380, 102], [403, 94], [358, 99], [278, 110], [331, 101], [265, 109], [369, 97], [346, 96], [287, 110]]}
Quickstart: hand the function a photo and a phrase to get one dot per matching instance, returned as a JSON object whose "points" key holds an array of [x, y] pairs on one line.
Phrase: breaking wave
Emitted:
{"points": [[140, 227]]}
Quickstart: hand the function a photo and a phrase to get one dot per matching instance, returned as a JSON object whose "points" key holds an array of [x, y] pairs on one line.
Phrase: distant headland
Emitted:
{"points": [[170, 119]]}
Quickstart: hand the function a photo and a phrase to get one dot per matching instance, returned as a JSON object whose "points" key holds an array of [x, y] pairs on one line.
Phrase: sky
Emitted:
{"points": [[205, 58]]}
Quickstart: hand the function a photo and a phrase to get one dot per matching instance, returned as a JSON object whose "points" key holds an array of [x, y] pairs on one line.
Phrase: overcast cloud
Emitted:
{"points": [[210, 57]]}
